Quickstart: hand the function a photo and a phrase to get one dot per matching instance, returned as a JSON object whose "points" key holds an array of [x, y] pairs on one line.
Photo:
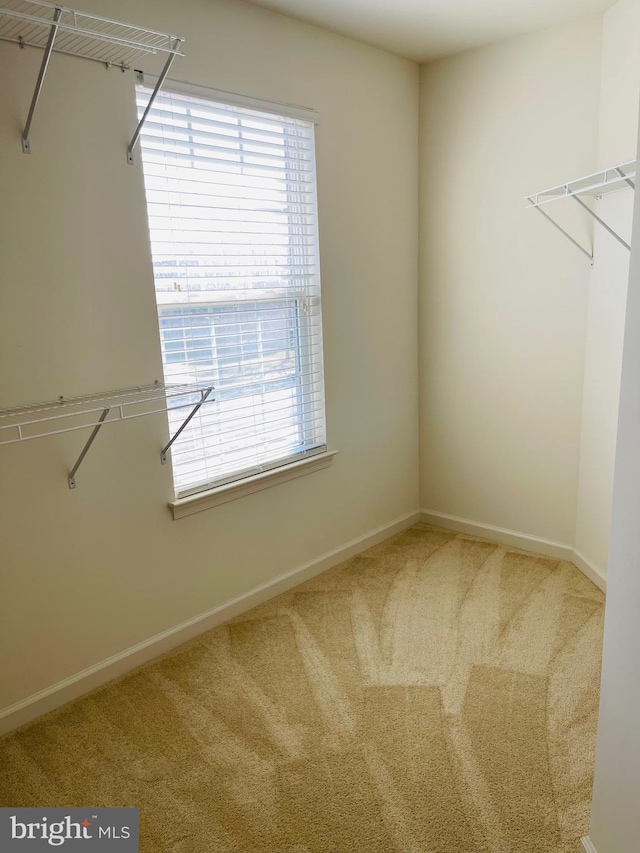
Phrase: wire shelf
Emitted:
{"points": [[29, 22], [596, 185], [56, 29], [600, 183], [69, 414]]}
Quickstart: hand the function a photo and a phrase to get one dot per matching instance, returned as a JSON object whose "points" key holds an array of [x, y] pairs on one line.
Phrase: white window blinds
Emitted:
{"points": [[231, 199]]}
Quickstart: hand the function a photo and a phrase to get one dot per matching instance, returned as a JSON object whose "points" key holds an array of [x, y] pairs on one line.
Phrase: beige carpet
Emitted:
{"points": [[435, 694]]}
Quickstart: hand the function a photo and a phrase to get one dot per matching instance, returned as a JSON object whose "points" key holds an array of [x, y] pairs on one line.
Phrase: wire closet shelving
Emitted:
{"points": [[25, 423], [54, 28], [594, 186]]}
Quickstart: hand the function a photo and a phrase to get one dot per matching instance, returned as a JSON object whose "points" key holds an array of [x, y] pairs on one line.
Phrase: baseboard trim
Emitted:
{"points": [[94, 676], [514, 538], [592, 571], [587, 845], [499, 534]]}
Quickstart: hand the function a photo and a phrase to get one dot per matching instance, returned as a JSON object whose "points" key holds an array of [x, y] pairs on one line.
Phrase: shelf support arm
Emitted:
{"points": [[163, 452], [96, 430], [158, 86], [601, 221], [26, 148], [562, 231], [625, 178]]}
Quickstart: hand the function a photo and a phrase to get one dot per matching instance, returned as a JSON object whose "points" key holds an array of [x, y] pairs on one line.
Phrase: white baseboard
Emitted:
{"points": [[82, 682], [592, 571], [558, 550], [499, 534], [587, 845]]}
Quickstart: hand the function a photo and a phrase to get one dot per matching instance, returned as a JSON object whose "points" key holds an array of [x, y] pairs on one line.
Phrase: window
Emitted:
{"points": [[231, 199]]}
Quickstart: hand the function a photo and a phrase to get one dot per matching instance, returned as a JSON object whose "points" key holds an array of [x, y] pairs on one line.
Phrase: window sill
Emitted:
{"points": [[206, 500]]}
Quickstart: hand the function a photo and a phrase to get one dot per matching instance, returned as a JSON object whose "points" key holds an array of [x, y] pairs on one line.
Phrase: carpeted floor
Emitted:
{"points": [[436, 694]]}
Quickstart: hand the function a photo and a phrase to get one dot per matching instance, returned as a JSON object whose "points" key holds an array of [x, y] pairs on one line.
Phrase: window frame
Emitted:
{"points": [[247, 480]]}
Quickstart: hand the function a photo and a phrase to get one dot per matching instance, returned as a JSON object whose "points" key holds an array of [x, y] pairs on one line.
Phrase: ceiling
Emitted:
{"points": [[426, 29]]}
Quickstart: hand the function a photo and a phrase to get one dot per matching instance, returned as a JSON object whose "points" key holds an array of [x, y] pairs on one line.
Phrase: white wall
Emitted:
{"points": [[503, 297], [615, 825], [619, 98], [88, 573]]}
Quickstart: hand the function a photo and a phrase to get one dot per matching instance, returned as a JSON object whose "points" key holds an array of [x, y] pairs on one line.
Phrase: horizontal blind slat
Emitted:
{"points": [[270, 428], [235, 144], [164, 156], [256, 455], [172, 178], [174, 109], [229, 133], [271, 465]]}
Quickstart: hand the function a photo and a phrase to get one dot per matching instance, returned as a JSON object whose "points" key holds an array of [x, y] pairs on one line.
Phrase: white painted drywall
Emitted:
{"points": [[615, 826], [503, 296], [88, 573], [619, 98]]}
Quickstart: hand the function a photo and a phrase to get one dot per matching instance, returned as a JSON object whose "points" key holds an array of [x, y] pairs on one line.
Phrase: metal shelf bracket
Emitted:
{"points": [[94, 433], [562, 231], [26, 148], [163, 74], [601, 221], [608, 180], [624, 177], [203, 396]]}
